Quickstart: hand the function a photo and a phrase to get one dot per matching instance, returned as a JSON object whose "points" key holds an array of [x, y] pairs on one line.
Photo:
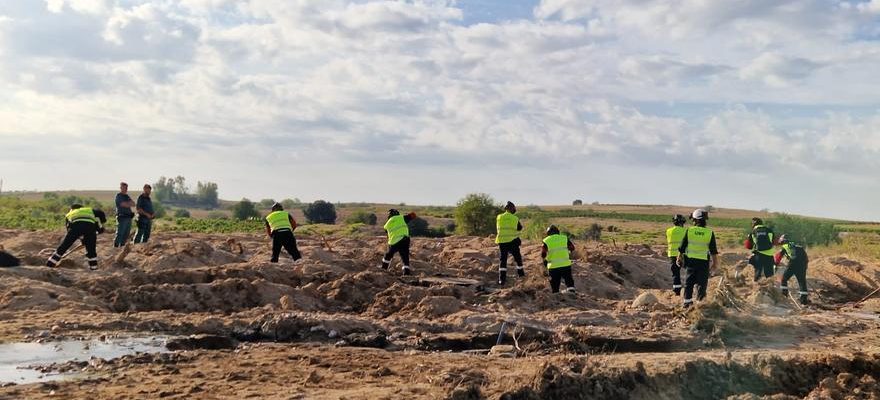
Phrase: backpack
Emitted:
{"points": [[762, 238]]}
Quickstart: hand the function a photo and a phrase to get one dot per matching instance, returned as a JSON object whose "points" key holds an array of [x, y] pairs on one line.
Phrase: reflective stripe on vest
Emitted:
{"points": [[557, 251], [674, 237], [505, 225], [82, 214], [279, 220], [397, 229], [698, 242]]}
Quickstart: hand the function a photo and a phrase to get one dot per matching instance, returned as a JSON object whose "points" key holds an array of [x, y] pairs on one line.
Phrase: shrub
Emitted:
{"points": [[577, 202], [535, 228], [805, 231], [182, 213], [266, 204], [475, 214], [320, 212], [244, 209], [290, 204], [420, 228], [362, 217], [593, 232]]}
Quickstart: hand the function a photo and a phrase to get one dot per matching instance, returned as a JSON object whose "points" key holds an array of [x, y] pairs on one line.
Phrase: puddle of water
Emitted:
{"points": [[16, 357]]}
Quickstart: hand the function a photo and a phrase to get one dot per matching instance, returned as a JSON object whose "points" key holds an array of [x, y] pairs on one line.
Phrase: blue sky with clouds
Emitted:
{"points": [[750, 103]]}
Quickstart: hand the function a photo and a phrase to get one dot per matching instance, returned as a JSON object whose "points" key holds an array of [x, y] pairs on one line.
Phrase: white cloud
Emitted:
{"points": [[371, 81]]}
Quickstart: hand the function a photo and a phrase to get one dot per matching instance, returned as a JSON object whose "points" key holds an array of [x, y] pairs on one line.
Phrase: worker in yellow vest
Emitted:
{"points": [[556, 255], [82, 223], [674, 235], [761, 242], [697, 248], [280, 226], [507, 238], [398, 239]]}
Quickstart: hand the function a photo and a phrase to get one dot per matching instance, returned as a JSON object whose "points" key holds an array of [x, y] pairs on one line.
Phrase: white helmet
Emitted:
{"points": [[700, 214]]}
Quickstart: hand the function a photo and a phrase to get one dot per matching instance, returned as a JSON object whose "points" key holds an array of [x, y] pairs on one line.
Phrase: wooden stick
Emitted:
{"points": [[869, 295]]}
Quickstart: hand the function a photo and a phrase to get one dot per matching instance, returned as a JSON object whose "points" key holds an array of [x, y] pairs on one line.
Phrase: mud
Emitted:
{"points": [[430, 333]]}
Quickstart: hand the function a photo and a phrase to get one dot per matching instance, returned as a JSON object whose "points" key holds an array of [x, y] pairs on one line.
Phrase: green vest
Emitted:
{"points": [[82, 214], [506, 225], [279, 220], [698, 242], [557, 251], [674, 237], [397, 229]]}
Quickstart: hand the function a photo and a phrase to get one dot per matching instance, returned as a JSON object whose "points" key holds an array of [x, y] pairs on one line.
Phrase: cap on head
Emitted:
{"points": [[700, 214], [757, 221], [75, 206], [678, 219], [552, 230], [277, 206], [392, 212]]}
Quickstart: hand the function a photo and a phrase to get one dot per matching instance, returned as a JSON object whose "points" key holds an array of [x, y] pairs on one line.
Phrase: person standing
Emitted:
{"points": [[761, 242], [797, 267], [556, 255], [508, 228], [674, 236], [82, 223], [697, 248], [280, 226], [145, 216], [124, 215], [398, 239]]}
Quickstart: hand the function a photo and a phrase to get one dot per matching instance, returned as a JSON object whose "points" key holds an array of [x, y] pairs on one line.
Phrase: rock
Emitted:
{"points": [[56, 328], [208, 342], [644, 300], [286, 302], [503, 350], [333, 334], [436, 306]]}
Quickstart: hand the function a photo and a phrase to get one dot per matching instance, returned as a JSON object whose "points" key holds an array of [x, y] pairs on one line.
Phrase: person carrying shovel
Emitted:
{"points": [[82, 223]]}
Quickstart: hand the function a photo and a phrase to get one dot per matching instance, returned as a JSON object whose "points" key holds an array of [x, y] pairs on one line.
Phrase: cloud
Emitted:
{"points": [[764, 84]]}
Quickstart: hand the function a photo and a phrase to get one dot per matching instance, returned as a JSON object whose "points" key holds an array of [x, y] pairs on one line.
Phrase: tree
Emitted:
{"points": [[267, 203], [206, 194], [182, 213], [362, 217], [289, 204], [244, 209], [577, 202], [419, 227], [320, 212], [475, 214], [163, 189]]}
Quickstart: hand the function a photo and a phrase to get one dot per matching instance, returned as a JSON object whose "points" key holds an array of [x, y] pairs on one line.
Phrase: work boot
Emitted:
{"points": [[386, 264], [406, 270], [520, 272], [677, 291], [804, 300], [502, 278]]}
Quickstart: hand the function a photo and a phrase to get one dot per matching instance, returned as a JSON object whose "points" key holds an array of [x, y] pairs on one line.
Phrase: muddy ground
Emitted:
{"points": [[334, 325]]}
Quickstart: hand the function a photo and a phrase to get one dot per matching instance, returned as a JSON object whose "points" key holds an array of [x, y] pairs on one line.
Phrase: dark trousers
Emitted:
{"points": [[88, 232], [697, 275], [510, 249], [676, 274], [123, 229], [763, 265], [799, 271], [284, 238], [557, 275], [401, 247], [145, 226]]}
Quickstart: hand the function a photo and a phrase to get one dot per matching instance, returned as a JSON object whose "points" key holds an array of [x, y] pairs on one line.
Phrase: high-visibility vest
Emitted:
{"points": [[557, 251], [698, 242], [397, 229], [674, 237], [762, 236], [82, 214], [279, 220], [506, 225]]}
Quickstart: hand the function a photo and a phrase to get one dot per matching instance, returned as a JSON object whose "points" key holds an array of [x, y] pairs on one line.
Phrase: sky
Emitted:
{"points": [[755, 104]]}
